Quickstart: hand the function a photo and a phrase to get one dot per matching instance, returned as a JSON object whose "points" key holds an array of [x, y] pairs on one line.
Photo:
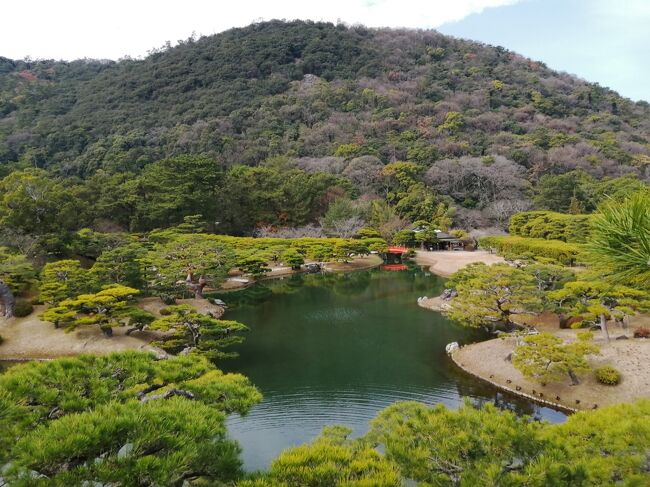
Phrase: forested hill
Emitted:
{"points": [[304, 89], [267, 126]]}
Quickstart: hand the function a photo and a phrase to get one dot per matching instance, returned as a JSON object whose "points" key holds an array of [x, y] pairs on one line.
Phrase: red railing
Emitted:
{"points": [[397, 250]]}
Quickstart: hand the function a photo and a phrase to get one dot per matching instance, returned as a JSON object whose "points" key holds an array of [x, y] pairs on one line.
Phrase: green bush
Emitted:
{"points": [[23, 308], [608, 375], [562, 252]]}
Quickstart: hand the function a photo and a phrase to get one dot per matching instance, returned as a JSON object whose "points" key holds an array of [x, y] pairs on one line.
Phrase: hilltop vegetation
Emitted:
{"points": [[323, 111], [242, 96]]}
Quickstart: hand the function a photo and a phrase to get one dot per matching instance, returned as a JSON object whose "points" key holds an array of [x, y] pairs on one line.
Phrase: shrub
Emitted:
{"points": [[642, 332], [23, 308], [608, 375], [165, 312], [585, 335]]}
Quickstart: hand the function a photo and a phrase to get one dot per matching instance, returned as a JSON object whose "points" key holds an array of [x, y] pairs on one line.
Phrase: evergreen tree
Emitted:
{"points": [[489, 295], [547, 358]]}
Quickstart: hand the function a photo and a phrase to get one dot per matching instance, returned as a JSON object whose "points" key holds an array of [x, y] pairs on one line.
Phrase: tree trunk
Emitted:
{"points": [[196, 288], [8, 300], [603, 327], [574, 378]]}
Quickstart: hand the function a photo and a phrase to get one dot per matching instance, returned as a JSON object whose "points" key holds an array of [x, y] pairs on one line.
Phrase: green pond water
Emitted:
{"points": [[337, 348]]}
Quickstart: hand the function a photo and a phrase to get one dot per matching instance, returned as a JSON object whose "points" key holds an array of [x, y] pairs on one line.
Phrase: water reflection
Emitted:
{"points": [[337, 348]]}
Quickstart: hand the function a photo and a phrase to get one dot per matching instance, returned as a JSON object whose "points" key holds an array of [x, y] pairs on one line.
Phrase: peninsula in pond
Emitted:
{"points": [[207, 251]]}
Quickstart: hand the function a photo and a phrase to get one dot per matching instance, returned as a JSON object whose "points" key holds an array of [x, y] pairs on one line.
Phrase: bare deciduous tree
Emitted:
{"points": [[480, 180], [309, 230], [500, 211]]}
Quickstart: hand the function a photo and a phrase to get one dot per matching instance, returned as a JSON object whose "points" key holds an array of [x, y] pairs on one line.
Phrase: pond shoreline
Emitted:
{"points": [[487, 360], [30, 338], [468, 370], [236, 283]]}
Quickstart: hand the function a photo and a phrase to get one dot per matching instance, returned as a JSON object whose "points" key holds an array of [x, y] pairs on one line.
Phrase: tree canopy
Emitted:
{"points": [[490, 295], [190, 331], [620, 243], [547, 358], [127, 418], [107, 308]]}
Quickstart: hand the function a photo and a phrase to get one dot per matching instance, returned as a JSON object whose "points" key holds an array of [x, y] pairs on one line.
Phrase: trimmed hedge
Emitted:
{"points": [[550, 225], [272, 248], [562, 252]]}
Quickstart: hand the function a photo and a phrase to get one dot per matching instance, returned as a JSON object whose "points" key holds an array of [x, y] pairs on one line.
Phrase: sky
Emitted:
{"points": [[605, 41]]}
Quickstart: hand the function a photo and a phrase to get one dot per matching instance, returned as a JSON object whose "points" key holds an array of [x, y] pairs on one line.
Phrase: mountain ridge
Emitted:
{"points": [[306, 89]]}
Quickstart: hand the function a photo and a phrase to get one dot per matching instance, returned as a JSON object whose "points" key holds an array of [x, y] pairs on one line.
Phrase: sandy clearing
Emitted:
{"points": [[30, 338], [487, 360], [445, 263], [154, 305]]}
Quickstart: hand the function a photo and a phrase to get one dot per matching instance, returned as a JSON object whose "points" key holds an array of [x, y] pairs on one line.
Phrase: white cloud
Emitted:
{"points": [[72, 29]]}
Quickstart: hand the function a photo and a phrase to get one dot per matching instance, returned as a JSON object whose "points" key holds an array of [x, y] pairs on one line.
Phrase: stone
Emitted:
{"points": [[126, 450], [452, 347]]}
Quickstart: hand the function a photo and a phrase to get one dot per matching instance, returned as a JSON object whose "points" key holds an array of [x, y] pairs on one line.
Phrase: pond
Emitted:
{"points": [[336, 348]]}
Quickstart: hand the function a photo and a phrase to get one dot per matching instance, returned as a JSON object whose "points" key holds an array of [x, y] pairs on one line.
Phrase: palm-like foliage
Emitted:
{"points": [[620, 241]]}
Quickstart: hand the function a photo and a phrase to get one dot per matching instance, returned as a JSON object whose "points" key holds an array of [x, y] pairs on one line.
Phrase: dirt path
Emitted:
{"points": [[356, 264], [445, 263]]}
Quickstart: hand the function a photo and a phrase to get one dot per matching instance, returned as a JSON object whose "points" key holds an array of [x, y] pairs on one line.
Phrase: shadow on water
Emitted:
{"points": [[336, 348]]}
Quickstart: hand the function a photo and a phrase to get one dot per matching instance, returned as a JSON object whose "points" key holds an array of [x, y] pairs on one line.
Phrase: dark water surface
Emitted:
{"points": [[337, 348]]}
